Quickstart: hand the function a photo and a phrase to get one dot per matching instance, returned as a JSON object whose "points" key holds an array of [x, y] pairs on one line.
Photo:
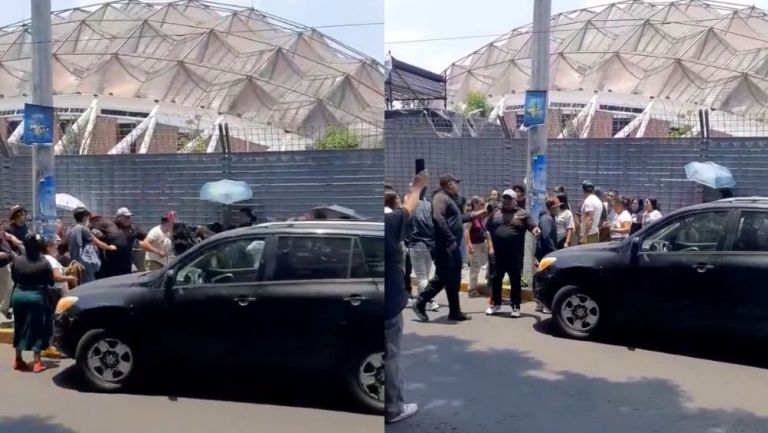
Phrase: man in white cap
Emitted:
{"points": [[123, 234], [507, 226]]}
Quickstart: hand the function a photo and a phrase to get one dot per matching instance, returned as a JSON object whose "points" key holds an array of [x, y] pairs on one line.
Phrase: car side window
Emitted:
{"points": [[700, 232], [236, 261], [752, 232], [374, 255], [312, 258]]}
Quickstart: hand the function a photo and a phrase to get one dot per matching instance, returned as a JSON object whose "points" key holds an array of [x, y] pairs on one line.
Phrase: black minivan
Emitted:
{"points": [[305, 295], [702, 269]]}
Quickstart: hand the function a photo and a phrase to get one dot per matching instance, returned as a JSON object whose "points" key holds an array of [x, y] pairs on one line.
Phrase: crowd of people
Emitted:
{"points": [[432, 237], [35, 272]]}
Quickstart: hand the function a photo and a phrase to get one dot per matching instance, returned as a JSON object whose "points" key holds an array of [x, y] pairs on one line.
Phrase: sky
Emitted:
{"points": [[427, 19], [368, 39]]}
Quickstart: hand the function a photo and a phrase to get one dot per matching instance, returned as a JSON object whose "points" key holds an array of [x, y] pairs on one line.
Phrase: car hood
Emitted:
{"points": [[119, 284], [587, 252]]}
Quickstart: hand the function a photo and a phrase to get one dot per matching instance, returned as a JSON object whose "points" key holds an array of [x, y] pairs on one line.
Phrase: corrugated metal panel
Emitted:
{"points": [[285, 184]]}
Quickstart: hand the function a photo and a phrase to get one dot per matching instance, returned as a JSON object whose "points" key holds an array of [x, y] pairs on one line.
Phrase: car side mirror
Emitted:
{"points": [[168, 279]]}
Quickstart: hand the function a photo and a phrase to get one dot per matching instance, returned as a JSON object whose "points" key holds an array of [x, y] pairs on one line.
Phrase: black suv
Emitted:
{"points": [[701, 268], [308, 295]]}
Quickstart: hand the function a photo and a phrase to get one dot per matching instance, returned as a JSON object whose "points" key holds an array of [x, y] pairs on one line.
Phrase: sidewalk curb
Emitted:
{"points": [[6, 336]]}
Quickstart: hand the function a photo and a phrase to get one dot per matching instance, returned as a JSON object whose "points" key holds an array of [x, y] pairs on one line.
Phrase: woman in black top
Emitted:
{"points": [[32, 275]]}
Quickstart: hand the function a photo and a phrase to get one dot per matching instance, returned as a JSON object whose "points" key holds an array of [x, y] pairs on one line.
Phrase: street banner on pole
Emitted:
{"points": [[38, 125], [538, 184], [535, 108]]}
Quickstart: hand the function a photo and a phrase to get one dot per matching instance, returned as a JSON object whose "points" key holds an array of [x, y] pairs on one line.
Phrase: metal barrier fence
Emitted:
{"points": [[634, 167], [284, 184]]}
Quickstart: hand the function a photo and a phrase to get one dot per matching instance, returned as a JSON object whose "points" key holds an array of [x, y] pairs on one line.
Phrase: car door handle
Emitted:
{"points": [[356, 300], [702, 267], [243, 301]]}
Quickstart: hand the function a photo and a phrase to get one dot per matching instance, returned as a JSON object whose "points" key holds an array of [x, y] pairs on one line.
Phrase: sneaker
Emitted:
{"points": [[50, 352], [20, 365], [493, 309], [433, 306], [38, 367], [539, 308], [460, 317], [411, 302], [515, 311], [408, 411], [546, 310], [421, 313]]}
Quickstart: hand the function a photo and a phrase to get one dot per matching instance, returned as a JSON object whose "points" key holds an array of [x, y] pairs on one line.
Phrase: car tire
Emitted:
{"points": [[107, 360], [578, 313], [364, 378]]}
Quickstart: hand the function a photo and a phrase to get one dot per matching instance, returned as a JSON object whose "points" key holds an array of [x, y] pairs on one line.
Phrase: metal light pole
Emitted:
{"points": [[42, 94], [537, 136]]}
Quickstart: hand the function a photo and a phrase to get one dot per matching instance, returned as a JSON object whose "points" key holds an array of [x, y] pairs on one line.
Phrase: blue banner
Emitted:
{"points": [[38, 125], [535, 108], [538, 184]]}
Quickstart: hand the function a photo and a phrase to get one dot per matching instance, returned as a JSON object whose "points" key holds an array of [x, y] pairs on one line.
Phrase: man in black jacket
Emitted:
{"points": [[448, 221], [507, 226]]}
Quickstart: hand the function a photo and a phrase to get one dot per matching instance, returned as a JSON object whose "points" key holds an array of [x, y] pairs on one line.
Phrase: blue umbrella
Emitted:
{"points": [[226, 191], [710, 174]]}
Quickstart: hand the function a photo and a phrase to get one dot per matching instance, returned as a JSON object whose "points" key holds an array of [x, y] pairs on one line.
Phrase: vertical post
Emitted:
{"points": [[42, 94], [537, 136]]}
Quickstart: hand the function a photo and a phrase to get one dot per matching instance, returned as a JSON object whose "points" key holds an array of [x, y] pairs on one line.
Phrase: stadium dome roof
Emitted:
{"points": [[202, 57], [707, 53]]}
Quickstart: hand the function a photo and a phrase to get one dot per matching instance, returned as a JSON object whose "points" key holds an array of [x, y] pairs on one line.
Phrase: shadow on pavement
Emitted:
{"points": [[463, 390], [742, 351], [31, 424], [273, 387]]}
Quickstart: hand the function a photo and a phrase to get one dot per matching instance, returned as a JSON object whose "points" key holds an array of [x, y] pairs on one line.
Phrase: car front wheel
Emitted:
{"points": [[107, 360], [577, 313], [365, 380]]}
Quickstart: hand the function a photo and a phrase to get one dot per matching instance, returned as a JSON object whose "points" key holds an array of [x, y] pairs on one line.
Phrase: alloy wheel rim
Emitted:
{"points": [[580, 312], [371, 376], [110, 360]]}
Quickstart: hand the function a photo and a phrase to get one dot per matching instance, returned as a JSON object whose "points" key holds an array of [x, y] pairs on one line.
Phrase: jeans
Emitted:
{"points": [[88, 276], [447, 276], [421, 260], [511, 264], [6, 289], [477, 259], [393, 399]]}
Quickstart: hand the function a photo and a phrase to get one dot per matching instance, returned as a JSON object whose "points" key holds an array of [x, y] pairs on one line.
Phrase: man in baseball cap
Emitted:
{"points": [[123, 234], [448, 221]]}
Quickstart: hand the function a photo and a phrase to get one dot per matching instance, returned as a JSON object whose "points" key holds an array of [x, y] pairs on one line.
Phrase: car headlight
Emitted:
{"points": [[546, 262], [65, 303]]}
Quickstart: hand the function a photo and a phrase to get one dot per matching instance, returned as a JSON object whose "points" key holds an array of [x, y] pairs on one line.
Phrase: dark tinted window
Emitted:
{"points": [[752, 232], [374, 256], [237, 261], [312, 258], [694, 233]]}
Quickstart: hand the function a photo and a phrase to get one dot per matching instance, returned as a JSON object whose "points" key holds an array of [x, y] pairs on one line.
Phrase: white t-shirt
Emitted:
{"points": [[621, 219], [160, 241], [611, 216], [594, 205], [56, 265], [564, 221], [649, 217]]}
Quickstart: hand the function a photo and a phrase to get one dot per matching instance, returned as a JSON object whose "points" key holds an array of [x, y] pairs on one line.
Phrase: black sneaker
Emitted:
{"points": [[459, 317], [420, 308]]}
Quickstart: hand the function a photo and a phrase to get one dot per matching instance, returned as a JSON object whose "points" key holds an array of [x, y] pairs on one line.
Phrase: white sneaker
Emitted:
{"points": [[539, 308], [493, 309], [433, 306], [515, 312], [545, 310], [411, 301], [408, 411]]}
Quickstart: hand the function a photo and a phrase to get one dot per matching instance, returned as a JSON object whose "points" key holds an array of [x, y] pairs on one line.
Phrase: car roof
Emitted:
{"points": [[755, 202], [339, 227]]}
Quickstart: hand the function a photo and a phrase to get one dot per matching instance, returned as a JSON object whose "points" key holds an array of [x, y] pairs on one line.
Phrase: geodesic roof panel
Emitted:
{"points": [[694, 51], [231, 59]]}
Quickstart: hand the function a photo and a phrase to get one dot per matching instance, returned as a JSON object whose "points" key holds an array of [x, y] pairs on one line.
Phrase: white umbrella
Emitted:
{"points": [[68, 202]]}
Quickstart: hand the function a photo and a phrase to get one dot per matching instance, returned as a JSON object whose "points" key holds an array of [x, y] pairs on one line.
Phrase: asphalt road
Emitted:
{"points": [[52, 402], [497, 374]]}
